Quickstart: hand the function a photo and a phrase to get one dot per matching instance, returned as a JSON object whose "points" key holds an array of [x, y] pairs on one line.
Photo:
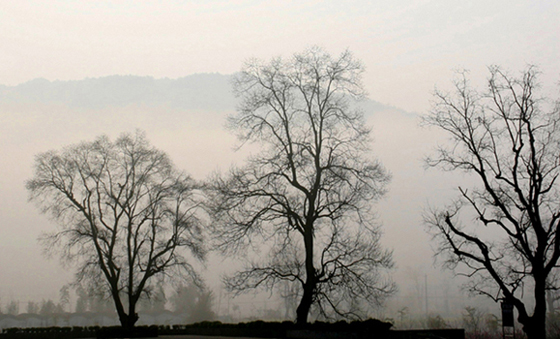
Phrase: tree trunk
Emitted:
{"points": [[132, 316], [130, 321], [309, 287], [127, 320], [535, 327], [304, 305]]}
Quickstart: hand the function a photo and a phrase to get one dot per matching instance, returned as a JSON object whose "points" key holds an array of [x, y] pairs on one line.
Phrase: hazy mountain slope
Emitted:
{"points": [[198, 91]]}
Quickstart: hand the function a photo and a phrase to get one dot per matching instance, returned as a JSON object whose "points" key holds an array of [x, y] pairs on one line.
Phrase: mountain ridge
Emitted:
{"points": [[200, 91], [189, 92]]}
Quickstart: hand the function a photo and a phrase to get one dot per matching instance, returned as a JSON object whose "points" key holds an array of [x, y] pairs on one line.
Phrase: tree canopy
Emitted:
{"points": [[307, 196], [508, 138], [124, 215]]}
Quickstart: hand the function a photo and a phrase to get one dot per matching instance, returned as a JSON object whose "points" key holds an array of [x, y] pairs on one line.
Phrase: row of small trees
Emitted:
{"points": [[192, 301], [45, 307]]}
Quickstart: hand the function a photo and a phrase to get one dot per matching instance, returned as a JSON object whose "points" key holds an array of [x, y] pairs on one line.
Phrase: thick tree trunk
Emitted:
{"points": [[132, 316], [130, 320], [535, 325], [127, 320], [123, 317], [535, 328], [302, 311]]}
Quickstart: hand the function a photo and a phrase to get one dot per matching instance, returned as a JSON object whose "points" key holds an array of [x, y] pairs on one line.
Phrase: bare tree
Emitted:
{"points": [[307, 196], [508, 140], [124, 214]]}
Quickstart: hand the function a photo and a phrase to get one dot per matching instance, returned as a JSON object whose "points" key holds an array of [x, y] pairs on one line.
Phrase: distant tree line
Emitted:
{"points": [[195, 303], [44, 307]]}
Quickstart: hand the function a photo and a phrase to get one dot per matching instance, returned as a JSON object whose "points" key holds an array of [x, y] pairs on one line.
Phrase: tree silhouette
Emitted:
{"points": [[509, 140], [124, 214], [307, 196]]}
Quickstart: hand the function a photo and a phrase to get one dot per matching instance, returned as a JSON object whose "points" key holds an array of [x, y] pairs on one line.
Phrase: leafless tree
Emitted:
{"points": [[508, 140], [124, 214], [307, 197]]}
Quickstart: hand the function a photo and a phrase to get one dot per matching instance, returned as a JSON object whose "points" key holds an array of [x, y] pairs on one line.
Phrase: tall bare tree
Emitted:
{"points": [[307, 197], [124, 214], [509, 140]]}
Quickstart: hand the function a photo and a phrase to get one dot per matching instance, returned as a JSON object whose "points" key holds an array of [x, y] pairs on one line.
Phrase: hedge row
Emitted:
{"points": [[50, 332], [286, 329], [370, 328]]}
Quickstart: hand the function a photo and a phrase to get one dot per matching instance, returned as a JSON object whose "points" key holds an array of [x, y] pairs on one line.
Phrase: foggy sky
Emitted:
{"points": [[408, 47]]}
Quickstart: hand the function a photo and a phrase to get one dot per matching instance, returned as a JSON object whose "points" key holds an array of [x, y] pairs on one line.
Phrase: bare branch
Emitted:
{"points": [[124, 213], [307, 196], [508, 139]]}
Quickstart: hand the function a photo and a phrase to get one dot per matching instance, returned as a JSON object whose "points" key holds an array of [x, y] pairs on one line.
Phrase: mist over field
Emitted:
{"points": [[186, 118]]}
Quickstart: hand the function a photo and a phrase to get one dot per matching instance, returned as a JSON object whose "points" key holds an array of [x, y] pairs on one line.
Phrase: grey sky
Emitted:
{"points": [[408, 46]]}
